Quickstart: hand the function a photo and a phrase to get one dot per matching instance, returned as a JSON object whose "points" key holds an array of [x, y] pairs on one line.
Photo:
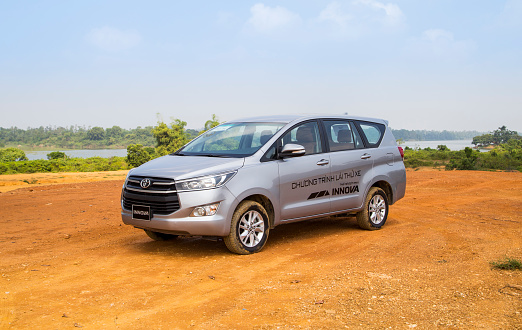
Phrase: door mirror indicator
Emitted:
{"points": [[292, 150]]}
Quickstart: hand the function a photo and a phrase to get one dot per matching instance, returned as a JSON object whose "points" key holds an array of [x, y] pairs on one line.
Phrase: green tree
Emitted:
{"points": [[114, 132], [96, 133], [192, 133], [57, 155], [211, 123], [483, 140], [137, 155], [499, 136], [11, 155], [503, 135], [170, 139]]}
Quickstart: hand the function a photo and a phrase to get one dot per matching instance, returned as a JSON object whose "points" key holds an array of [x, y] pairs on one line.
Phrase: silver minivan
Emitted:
{"points": [[245, 177]]}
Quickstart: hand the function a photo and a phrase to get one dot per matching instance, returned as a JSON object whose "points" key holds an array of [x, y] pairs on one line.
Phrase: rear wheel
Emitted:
{"points": [[248, 229], [160, 236], [375, 211]]}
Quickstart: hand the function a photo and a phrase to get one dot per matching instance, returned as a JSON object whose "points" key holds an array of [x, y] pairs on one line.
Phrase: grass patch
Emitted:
{"points": [[507, 264]]}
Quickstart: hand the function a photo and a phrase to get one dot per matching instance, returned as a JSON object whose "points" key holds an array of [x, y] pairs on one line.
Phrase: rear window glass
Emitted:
{"points": [[373, 133]]}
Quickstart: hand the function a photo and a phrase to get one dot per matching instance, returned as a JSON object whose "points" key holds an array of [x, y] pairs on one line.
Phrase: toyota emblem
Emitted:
{"points": [[145, 183]]}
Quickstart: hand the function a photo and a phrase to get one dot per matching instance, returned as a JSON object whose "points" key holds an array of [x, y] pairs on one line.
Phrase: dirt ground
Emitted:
{"points": [[66, 260]]}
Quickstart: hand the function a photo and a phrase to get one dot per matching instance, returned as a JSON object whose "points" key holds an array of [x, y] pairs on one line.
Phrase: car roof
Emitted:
{"points": [[300, 117]]}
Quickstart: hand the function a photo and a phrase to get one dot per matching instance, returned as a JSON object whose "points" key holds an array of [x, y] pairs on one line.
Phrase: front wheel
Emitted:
{"points": [[375, 211], [248, 229]]}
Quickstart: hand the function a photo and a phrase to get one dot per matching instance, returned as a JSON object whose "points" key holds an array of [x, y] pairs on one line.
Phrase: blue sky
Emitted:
{"points": [[421, 64]]}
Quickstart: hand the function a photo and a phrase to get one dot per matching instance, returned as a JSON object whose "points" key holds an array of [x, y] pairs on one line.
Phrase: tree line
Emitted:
{"points": [[424, 135], [167, 138], [115, 137], [75, 137], [164, 139]]}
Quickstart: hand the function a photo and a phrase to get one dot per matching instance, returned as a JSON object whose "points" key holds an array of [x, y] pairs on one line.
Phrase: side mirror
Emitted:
{"points": [[292, 150]]}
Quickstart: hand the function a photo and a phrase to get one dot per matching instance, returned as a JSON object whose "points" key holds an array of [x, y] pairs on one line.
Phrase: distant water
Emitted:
{"points": [[451, 144], [105, 153]]}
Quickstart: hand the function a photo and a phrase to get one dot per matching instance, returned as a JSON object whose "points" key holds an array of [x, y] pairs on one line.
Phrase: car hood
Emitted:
{"points": [[186, 167]]}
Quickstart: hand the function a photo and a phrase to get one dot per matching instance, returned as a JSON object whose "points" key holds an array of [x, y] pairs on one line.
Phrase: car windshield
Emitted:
{"points": [[231, 140]]}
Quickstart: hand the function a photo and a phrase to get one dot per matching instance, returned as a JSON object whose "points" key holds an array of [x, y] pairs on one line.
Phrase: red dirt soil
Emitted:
{"points": [[68, 261]]}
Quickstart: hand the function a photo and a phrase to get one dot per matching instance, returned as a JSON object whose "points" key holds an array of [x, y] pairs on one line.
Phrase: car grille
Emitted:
{"points": [[161, 195]]}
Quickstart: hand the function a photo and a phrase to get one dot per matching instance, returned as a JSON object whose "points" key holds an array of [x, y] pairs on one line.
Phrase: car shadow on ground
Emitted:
{"points": [[286, 234]]}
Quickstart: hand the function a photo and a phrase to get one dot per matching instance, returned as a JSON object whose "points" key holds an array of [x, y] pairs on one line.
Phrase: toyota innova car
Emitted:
{"points": [[243, 178]]}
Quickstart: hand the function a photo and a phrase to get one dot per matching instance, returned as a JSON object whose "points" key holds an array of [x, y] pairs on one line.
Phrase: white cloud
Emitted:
{"points": [[111, 39], [333, 12], [356, 18], [439, 43], [393, 14], [267, 19]]}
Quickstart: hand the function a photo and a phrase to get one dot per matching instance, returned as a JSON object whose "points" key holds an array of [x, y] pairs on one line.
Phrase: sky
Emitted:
{"points": [[420, 64]]}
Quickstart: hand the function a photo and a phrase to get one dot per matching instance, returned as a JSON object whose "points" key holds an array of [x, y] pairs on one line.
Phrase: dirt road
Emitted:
{"points": [[66, 260]]}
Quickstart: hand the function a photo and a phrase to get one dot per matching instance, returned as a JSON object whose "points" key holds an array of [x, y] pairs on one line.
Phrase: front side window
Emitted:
{"points": [[307, 135], [231, 140]]}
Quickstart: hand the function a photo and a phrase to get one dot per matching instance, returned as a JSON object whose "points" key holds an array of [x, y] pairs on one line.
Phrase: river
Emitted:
{"points": [[84, 153]]}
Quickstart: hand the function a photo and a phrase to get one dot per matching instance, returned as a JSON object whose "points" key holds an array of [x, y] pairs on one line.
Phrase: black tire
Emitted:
{"points": [[249, 228], [375, 211], [160, 236]]}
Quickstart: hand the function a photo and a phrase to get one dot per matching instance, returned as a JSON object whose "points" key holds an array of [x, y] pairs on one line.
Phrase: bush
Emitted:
{"points": [[137, 155], [93, 164], [507, 263], [57, 155], [11, 155], [506, 157]]}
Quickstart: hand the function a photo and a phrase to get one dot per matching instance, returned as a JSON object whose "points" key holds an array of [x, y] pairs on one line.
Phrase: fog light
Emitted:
{"points": [[205, 210]]}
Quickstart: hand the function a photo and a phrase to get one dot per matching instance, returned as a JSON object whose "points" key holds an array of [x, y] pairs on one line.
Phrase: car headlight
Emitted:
{"points": [[207, 182]]}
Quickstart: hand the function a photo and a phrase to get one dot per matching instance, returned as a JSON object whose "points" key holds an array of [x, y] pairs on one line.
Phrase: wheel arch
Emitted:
{"points": [[384, 185], [266, 203]]}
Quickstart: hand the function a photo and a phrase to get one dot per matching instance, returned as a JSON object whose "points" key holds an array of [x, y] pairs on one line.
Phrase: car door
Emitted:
{"points": [[351, 164], [304, 181]]}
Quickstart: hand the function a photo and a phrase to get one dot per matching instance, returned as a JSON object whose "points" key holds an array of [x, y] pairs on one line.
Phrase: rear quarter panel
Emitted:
{"points": [[388, 166]]}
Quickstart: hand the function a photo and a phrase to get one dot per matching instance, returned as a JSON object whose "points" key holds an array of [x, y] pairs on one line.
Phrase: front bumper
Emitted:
{"points": [[181, 223]]}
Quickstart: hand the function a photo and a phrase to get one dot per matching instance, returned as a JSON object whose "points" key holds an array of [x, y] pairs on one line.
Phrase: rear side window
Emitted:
{"points": [[372, 132], [341, 135]]}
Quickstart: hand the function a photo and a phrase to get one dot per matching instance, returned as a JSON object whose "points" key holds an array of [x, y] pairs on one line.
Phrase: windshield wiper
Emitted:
{"points": [[212, 155]]}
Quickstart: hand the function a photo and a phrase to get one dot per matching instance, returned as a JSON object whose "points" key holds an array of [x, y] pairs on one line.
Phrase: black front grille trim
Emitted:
{"points": [[161, 196]]}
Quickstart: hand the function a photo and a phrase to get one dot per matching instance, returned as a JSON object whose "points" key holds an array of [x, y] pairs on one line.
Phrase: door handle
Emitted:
{"points": [[366, 156], [323, 162]]}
